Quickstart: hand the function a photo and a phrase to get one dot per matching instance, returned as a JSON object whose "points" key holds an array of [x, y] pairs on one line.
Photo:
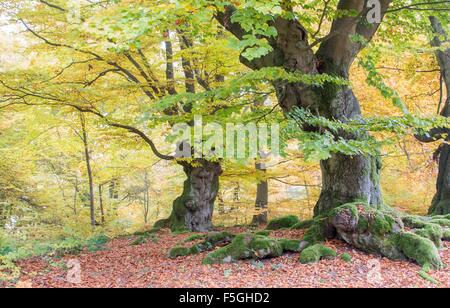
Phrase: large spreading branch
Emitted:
{"points": [[339, 46], [22, 95]]}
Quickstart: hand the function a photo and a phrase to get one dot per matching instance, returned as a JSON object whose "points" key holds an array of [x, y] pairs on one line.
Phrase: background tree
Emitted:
{"points": [[441, 201]]}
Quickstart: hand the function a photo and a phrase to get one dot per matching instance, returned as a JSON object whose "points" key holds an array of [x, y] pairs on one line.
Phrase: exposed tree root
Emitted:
{"points": [[384, 231], [283, 222], [212, 240], [251, 246]]}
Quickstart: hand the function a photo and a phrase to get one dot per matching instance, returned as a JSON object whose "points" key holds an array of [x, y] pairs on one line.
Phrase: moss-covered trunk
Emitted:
{"points": [[193, 210], [441, 201], [347, 179]]}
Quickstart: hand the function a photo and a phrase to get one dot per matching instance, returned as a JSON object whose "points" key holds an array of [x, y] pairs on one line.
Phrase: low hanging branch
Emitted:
{"points": [[20, 99]]}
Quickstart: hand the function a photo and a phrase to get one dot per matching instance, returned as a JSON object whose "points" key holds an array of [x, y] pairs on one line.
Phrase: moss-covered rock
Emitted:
{"points": [[179, 252], [315, 253], [246, 246], [283, 222], [292, 245], [419, 249], [217, 238]]}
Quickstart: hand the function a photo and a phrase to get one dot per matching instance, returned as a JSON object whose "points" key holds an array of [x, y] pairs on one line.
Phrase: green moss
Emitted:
{"points": [[446, 234], [283, 222], [147, 233], [139, 241], [219, 237], [346, 257], [303, 225], [363, 224], [179, 252], [369, 219], [264, 247], [351, 207], [315, 253], [195, 237], [212, 240], [245, 246], [376, 165], [432, 232], [291, 245], [414, 221], [316, 233], [419, 249], [381, 224], [441, 222], [424, 274], [441, 207], [263, 233]]}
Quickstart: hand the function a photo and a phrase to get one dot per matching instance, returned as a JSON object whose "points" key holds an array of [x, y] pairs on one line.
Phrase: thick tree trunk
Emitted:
{"points": [[345, 179], [348, 179], [441, 201], [193, 210], [262, 198], [350, 206]]}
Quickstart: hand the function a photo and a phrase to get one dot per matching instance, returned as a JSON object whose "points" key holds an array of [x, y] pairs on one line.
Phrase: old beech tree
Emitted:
{"points": [[351, 205]]}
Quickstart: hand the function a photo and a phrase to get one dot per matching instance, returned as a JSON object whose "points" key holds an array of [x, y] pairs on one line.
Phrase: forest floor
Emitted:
{"points": [[121, 264]]}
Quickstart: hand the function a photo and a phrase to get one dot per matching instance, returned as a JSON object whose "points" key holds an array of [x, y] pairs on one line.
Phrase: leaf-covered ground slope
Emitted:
{"points": [[146, 265]]}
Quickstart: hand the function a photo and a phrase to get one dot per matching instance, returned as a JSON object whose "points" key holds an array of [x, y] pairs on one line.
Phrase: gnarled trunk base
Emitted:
{"points": [[383, 231], [348, 179], [193, 210]]}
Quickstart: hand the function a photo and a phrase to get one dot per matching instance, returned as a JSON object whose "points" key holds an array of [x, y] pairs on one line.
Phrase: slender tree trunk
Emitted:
{"points": [[170, 71], [75, 197], [89, 169], [221, 203], [262, 198], [100, 196], [193, 210], [146, 197]]}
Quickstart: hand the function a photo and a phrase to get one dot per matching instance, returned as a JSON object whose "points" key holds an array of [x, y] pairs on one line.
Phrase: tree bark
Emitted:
{"points": [[193, 210], [350, 206], [441, 201], [89, 170], [100, 198], [345, 179], [262, 198]]}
